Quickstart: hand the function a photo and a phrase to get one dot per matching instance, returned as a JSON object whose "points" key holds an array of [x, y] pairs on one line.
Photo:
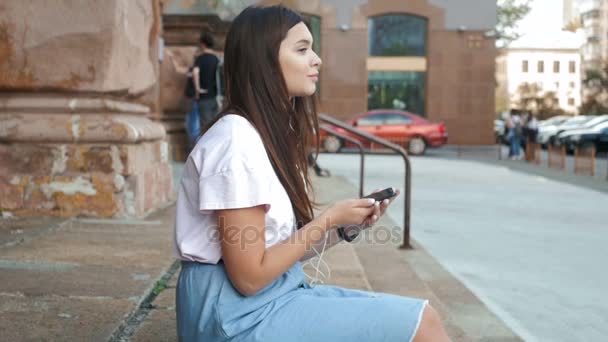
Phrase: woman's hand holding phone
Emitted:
{"points": [[362, 212], [384, 198]]}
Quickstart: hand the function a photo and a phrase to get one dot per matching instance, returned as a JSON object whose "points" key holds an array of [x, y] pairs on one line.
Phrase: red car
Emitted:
{"points": [[409, 130]]}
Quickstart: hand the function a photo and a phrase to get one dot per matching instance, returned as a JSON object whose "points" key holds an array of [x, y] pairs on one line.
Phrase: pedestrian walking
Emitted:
{"points": [[205, 77]]}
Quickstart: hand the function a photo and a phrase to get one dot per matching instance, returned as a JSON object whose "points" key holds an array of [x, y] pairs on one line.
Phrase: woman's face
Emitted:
{"points": [[299, 63]]}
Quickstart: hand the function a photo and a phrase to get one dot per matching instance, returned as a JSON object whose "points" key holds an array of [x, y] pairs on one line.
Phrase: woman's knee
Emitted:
{"points": [[431, 327]]}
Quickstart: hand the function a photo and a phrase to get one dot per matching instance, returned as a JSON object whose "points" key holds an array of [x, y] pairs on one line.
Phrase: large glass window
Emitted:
{"points": [[541, 67], [397, 90], [397, 35]]}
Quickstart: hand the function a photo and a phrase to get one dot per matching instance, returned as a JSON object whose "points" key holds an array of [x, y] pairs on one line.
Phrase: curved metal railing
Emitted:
{"points": [[398, 149], [329, 130]]}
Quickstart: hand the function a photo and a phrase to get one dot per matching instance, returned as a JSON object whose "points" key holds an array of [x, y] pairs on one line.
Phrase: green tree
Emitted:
{"points": [[596, 88], [510, 12], [532, 98]]}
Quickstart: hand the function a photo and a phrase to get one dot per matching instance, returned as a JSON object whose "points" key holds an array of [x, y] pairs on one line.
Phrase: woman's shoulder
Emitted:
{"points": [[233, 126], [230, 139]]}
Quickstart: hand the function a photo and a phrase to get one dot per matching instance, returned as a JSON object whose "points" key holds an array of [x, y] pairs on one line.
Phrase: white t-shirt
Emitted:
{"points": [[228, 168]]}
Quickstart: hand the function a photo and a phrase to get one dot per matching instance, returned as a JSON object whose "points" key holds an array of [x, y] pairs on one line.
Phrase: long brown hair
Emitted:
{"points": [[255, 88]]}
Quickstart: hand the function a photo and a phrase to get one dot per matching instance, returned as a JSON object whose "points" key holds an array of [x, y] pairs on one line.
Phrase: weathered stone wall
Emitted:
{"points": [[78, 86], [98, 46], [99, 180]]}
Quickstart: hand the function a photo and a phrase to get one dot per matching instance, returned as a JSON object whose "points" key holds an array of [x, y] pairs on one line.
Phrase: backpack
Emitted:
{"points": [[189, 90]]}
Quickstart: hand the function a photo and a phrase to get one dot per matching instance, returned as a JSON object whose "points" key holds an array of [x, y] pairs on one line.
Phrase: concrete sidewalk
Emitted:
{"points": [[114, 280], [489, 154]]}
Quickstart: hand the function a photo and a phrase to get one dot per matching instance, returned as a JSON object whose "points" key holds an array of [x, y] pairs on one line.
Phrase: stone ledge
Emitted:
{"points": [[11, 102], [72, 128]]}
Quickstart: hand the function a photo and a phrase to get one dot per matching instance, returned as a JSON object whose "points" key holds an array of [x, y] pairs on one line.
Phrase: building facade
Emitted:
{"points": [[80, 131], [435, 58], [547, 70], [91, 106], [594, 22]]}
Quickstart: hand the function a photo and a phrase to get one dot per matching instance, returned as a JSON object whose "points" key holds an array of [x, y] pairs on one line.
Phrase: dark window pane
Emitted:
{"points": [[397, 35], [397, 90]]}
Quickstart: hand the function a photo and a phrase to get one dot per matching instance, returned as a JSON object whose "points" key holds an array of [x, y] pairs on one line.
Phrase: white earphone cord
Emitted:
{"points": [[324, 277]]}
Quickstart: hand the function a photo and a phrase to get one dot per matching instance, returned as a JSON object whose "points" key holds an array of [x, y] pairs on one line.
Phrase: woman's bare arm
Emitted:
{"points": [[249, 264]]}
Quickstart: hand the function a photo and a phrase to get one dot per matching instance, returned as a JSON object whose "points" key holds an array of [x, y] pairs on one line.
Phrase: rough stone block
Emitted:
{"points": [[26, 159], [11, 196], [139, 157], [102, 203], [106, 46], [103, 180], [90, 159], [36, 200]]}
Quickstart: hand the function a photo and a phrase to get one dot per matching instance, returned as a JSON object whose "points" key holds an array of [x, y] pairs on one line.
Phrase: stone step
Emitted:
{"points": [[373, 266]]}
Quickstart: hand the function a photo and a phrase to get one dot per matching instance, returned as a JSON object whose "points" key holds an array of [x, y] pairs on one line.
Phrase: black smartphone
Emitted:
{"points": [[382, 195]]}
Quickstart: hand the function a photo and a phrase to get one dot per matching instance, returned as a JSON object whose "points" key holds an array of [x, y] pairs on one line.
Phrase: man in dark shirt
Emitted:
{"points": [[205, 82]]}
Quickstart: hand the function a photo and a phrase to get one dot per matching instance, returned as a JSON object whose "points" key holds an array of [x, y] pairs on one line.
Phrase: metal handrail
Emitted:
{"points": [[331, 131], [408, 170]]}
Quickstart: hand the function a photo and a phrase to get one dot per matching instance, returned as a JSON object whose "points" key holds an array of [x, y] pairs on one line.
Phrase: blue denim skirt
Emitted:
{"points": [[209, 309]]}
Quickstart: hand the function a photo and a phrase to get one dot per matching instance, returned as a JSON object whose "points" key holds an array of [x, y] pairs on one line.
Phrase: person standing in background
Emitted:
{"points": [[532, 128], [514, 126], [204, 75]]}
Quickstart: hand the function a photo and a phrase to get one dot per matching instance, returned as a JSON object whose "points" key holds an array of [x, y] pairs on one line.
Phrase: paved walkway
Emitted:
{"points": [[529, 241], [489, 154], [114, 280]]}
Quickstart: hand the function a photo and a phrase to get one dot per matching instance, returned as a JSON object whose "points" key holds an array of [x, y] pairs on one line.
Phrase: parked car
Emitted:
{"points": [[596, 120], [413, 132], [546, 134], [596, 135], [555, 120]]}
